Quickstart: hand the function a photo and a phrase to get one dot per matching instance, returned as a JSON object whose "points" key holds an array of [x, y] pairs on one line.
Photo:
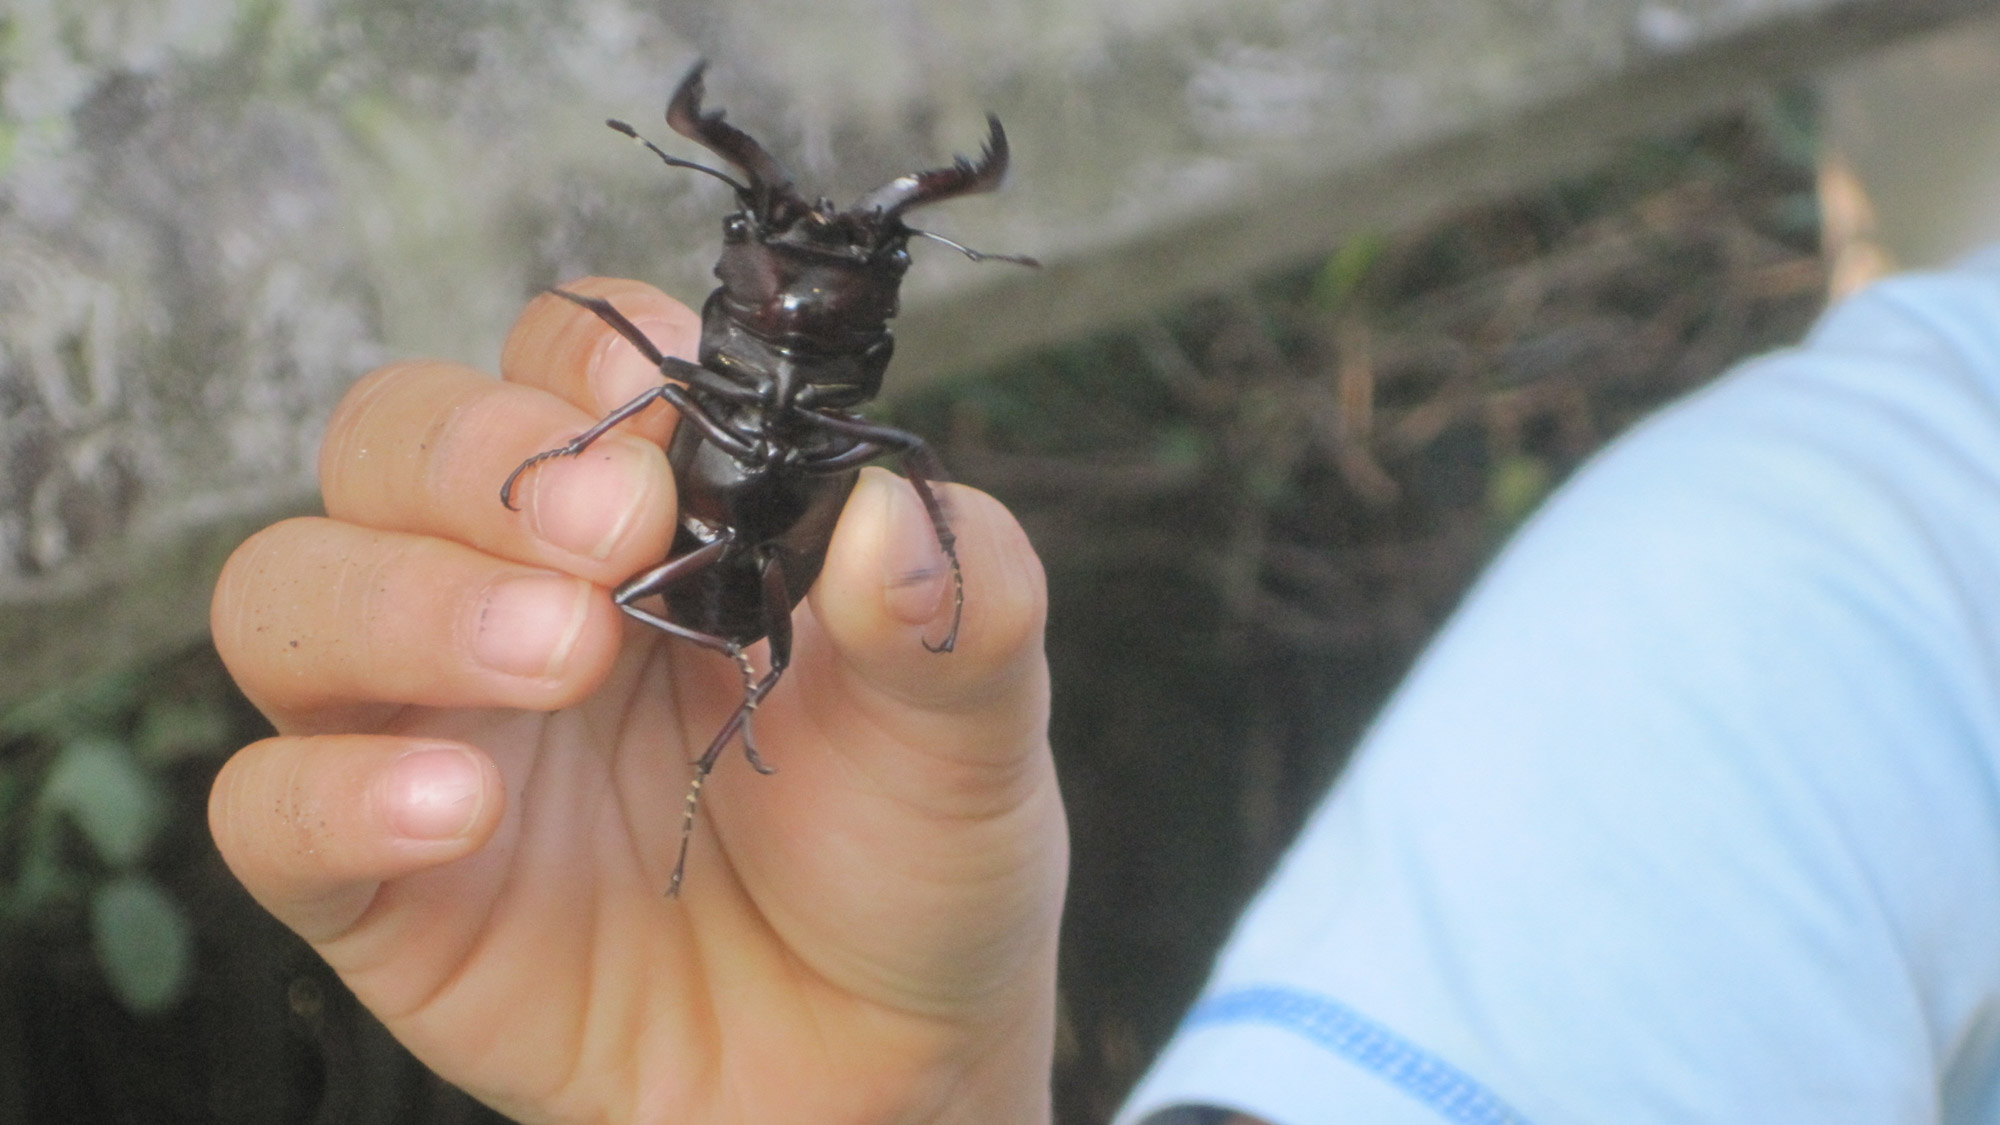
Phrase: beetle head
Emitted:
{"points": [[774, 213]]}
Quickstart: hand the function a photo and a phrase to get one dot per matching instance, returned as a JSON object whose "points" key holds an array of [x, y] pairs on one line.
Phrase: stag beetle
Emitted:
{"points": [[769, 445]]}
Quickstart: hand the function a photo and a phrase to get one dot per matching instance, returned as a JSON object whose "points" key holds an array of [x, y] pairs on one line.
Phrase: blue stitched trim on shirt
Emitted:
{"points": [[1452, 1093]]}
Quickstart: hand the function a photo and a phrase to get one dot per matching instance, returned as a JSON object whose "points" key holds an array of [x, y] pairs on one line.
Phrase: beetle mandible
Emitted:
{"points": [[769, 445]]}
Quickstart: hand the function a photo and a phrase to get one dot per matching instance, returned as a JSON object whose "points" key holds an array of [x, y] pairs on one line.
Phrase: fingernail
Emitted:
{"points": [[527, 626], [435, 793], [913, 565], [585, 504]]}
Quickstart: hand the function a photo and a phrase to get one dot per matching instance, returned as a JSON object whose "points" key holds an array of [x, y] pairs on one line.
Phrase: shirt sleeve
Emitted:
{"points": [[1692, 812]]}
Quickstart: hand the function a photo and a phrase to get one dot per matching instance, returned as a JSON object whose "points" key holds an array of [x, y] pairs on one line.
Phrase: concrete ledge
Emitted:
{"points": [[1274, 217], [213, 217]]}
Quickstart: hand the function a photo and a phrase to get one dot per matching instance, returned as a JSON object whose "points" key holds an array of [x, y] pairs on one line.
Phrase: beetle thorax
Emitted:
{"points": [[823, 282]]}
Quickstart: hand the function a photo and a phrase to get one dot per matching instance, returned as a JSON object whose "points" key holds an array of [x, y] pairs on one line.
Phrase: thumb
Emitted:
{"points": [[887, 584], [313, 826], [928, 843]]}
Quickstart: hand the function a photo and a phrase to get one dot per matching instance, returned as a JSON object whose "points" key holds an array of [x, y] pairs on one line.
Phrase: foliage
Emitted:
{"points": [[78, 776]]}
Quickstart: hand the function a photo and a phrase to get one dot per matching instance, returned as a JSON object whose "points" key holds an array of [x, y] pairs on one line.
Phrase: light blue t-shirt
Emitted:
{"points": [[1692, 814]]}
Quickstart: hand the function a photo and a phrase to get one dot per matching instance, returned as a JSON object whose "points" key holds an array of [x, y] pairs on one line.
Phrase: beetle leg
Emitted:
{"points": [[778, 629], [671, 367], [921, 466], [692, 412], [697, 415], [609, 314], [750, 679], [692, 804], [583, 441], [853, 457], [657, 580], [777, 626]]}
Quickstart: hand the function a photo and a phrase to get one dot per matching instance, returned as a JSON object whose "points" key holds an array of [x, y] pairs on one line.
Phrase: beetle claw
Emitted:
{"points": [[957, 605], [507, 487]]}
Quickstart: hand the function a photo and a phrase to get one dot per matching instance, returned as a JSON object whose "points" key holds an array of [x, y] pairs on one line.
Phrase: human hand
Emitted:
{"points": [[476, 797]]}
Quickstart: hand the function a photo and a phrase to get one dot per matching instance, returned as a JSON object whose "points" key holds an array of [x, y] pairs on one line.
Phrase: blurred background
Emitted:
{"points": [[1336, 291]]}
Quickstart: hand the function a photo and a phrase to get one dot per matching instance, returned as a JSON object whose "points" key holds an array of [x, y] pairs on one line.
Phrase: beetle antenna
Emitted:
{"points": [[675, 161], [980, 255]]}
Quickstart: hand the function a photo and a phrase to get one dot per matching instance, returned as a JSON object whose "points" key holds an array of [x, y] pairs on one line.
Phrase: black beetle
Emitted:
{"points": [[769, 445]]}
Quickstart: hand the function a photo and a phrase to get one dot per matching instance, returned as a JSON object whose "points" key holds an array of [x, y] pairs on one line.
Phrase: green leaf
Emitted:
{"points": [[13, 792], [1344, 271], [43, 877], [115, 803], [143, 942], [1179, 446], [91, 706], [170, 730]]}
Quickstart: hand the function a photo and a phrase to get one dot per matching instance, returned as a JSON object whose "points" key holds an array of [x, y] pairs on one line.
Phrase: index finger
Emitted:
{"points": [[571, 352]]}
